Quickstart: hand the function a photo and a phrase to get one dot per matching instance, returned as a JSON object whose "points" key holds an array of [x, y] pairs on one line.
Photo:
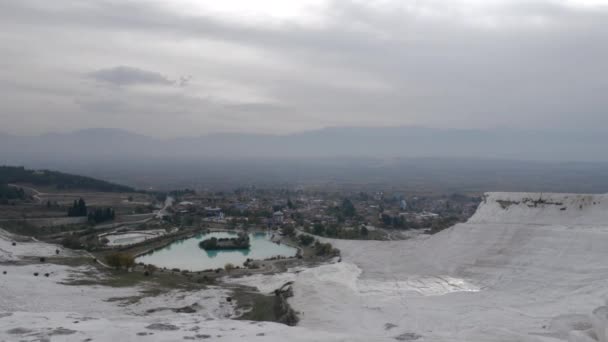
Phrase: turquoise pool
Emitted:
{"points": [[187, 255]]}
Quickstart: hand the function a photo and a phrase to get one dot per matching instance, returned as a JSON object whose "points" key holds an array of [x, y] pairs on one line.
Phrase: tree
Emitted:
{"points": [[318, 229], [289, 230], [128, 261], [306, 240], [348, 209], [72, 210], [323, 249], [364, 231], [120, 260], [101, 215], [82, 207], [151, 269], [228, 267], [72, 242], [387, 220], [79, 208], [11, 192], [331, 231], [298, 217], [208, 244]]}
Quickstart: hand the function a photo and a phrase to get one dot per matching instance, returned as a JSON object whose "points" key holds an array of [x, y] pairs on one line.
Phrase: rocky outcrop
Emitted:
{"points": [[598, 332], [284, 312]]}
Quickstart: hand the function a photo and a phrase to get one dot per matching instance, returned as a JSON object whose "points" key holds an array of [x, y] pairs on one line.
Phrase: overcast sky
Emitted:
{"points": [[190, 67]]}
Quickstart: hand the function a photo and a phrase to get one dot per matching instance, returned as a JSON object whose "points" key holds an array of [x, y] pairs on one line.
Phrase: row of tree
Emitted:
{"points": [[400, 222], [120, 260], [79, 209], [101, 215], [346, 210], [336, 231], [321, 249], [11, 193]]}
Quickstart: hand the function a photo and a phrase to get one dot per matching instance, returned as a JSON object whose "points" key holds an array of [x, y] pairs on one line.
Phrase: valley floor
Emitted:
{"points": [[525, 271]]}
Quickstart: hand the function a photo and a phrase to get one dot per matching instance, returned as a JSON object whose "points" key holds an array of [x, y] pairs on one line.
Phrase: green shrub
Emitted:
{"points": [[306, 240], [72, 242], [325, 249], [120, 260]]}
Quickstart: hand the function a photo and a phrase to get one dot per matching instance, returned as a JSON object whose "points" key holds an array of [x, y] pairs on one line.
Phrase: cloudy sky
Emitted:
{"points": [[190, 67]]}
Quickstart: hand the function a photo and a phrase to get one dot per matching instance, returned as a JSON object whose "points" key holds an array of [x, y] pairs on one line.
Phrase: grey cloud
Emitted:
{"points": [[125, 75], [508, 70], [184, 80], [101, 105]]}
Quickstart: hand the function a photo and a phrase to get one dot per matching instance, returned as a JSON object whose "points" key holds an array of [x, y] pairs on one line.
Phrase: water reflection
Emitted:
{"points": [[186, 254], [215, 253]]}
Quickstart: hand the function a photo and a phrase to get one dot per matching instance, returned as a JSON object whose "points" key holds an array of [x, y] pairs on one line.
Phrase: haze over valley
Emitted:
{"points": [[304, 170]]}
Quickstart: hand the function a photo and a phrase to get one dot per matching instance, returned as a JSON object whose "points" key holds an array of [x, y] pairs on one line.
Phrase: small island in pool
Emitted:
{"points": [[239, 242]]}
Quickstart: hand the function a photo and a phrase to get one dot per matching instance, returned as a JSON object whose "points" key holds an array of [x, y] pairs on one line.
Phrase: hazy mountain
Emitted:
{"points": [[114, 144]]}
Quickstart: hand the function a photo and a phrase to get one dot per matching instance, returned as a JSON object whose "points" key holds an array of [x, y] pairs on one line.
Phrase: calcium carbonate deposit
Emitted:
{"points": [[525, 267]]}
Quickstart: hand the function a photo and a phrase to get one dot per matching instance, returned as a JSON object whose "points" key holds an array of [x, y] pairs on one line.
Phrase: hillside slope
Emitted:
{"points": [[526, 272], [520, 270], [542, 208], [115, 144], [59, 180]]}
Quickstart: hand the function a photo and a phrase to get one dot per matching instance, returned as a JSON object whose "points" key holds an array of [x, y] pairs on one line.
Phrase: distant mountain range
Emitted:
{"points": [[105, 144]]}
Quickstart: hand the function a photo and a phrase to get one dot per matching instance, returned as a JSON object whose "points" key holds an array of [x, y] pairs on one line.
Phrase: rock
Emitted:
{"points": [[162, 326], [389, 326], [599, 321], [185, 309], [283, 311], [408, 337], [19, 331], [62, 331]]}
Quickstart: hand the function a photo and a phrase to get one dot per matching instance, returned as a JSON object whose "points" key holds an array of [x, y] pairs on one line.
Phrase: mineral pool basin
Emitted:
{"points": [[187, 255]]}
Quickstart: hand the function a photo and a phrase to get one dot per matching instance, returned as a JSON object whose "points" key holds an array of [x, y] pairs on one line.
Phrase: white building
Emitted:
{"points": [[278, 217]]}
